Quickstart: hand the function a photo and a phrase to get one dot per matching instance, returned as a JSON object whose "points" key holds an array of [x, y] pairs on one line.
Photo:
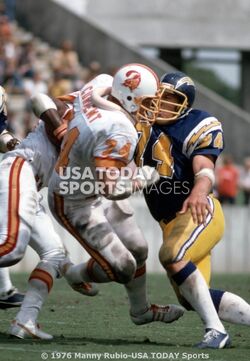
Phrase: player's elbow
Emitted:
{"points": [[40, 103]]}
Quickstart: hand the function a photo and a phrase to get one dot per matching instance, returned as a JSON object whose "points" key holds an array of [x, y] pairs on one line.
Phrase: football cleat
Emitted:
{"points": [[85, 288], [167, 314], [28, 330], [214, 339], [12, 298]]}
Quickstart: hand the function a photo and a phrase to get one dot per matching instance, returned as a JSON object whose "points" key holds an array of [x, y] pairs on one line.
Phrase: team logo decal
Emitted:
{"points": [[133, 80], [184, 80]]}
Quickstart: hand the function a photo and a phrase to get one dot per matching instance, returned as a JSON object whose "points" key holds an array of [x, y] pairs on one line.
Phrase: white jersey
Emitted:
{"points": [[39, 152], [94, 137]]}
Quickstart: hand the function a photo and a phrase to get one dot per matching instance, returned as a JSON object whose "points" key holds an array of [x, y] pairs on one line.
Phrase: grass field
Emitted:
{"points": [[85, 327]]}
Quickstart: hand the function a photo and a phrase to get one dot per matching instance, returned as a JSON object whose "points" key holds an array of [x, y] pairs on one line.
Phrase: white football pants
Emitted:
{"points": [[97, 228]]}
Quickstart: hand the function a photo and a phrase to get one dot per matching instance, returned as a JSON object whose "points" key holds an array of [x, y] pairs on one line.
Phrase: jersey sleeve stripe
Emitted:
{"points": [[69, 98], [109, 162], [198, 133]]}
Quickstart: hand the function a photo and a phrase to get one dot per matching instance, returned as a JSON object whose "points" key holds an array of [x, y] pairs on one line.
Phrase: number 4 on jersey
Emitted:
{"points": [[161, 150]]}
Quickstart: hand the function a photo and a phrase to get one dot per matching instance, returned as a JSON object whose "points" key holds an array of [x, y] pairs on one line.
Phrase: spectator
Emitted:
{"points": [[59, 86], [35, 85], [245, 181], [94, 69], [65, 61], [227, 181], [26, 59], [5, 27], [9, 55]]}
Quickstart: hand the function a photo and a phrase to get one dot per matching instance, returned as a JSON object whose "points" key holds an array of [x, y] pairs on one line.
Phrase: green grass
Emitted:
{"points": [[101, 324]]}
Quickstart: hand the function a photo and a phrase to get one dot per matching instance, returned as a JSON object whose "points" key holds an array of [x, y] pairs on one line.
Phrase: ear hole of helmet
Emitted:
{"points": [[147, 109]]}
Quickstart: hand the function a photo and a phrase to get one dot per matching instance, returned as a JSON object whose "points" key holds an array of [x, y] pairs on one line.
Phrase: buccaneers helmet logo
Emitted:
{"points": [[133, 80]]}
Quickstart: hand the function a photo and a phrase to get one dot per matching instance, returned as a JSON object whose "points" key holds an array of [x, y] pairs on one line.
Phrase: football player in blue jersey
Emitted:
{"points": [[7, 140], [9, 295], [183, 145]]}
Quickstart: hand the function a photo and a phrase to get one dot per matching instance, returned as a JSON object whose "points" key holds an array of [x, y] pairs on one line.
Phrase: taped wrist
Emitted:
{"points": [[206, 172]]}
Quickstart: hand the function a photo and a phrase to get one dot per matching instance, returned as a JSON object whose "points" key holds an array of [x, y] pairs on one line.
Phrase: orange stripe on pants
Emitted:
{"points": [[13, 207], [59, 209], [140, 271]]}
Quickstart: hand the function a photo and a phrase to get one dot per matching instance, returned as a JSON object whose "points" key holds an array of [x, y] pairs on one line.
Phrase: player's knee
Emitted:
{"points": [[127, 269], [166, 256], [54, 257], [139, 251]]}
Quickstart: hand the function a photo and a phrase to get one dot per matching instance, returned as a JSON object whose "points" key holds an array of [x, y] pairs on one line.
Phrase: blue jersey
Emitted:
{"points": [[3, 121], [170, 149]]}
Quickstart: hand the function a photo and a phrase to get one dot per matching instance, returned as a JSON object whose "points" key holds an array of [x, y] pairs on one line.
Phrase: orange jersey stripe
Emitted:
{"points": [[67, 98], [59, 209], [109, 162], [68, 115], [13, 207], [60, 131], [43, 276]]}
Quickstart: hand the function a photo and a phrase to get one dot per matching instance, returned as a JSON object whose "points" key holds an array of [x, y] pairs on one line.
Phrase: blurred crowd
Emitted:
{"points": [[28, 66], [233, 180]]}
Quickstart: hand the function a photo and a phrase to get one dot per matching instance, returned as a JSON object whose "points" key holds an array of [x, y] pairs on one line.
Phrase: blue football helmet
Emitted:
{"points": [[177, 93]]}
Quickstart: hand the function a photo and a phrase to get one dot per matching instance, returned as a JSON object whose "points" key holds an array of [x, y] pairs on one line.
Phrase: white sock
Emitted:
{"points": [[85, 272], [234, 309], [33, 301], [5, 281], [40, 283], [137, 294], [195, 290]]}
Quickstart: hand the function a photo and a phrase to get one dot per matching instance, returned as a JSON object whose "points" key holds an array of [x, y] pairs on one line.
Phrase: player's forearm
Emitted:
{"points": [[202, 186], [203, 167]]}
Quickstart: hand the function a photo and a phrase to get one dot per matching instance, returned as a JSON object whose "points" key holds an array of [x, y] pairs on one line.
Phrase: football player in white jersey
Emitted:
{"points": [[97, 141], [9, 295], [24, 171]]}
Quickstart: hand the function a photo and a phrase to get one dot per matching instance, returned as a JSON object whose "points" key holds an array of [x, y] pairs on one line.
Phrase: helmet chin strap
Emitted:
{"points": [[99, 101]]}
